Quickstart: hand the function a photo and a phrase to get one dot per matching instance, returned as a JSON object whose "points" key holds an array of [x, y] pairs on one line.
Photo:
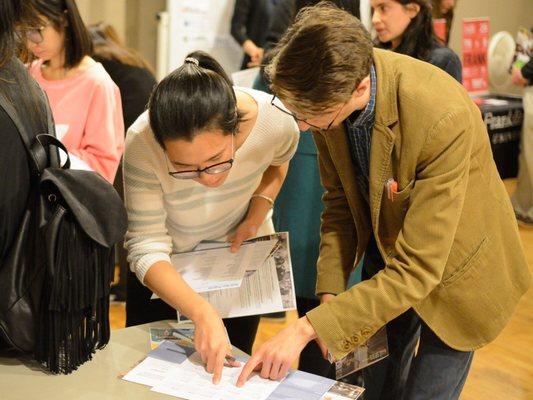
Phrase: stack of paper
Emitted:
{"points": [[178, 371]]}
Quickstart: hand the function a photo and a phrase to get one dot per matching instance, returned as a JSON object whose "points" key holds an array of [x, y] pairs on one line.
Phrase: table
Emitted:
{"points": [[22, 379]]}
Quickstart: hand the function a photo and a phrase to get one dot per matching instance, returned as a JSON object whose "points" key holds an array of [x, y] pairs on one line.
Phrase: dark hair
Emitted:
{"points": [[193, 98], [65, 16], [351, 6], [14, 78], [419, 37], [108, 46], [321, 59], [12, 12]]}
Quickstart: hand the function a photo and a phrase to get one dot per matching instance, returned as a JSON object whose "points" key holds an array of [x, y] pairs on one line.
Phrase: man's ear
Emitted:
{"points": [[362, 87]]}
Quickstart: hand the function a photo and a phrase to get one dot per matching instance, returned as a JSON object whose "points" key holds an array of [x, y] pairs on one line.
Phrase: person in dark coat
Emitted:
{"points": [[249, 26]]}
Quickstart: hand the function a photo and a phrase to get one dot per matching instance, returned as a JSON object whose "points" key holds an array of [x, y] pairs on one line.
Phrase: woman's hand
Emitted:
{"points": [[275, 356], [246, 230], [211, 341]]}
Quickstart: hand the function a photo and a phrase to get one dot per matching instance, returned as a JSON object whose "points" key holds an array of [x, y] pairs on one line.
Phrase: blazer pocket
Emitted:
{"points": [[392, 214], [463, 268]]}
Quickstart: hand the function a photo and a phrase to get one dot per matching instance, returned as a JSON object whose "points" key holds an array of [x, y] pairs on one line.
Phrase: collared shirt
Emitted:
{"points": [[359, 126]]}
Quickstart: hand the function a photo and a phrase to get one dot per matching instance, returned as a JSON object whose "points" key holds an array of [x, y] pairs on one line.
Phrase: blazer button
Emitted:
{"points": [[366, 332]]}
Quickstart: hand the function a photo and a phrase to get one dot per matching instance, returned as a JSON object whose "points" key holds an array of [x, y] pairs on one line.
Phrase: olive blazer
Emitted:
{"points": [[448, 237]]}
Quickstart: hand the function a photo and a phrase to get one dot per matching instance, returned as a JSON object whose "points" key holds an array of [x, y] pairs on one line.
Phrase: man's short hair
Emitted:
{"points": [[321, 59]]}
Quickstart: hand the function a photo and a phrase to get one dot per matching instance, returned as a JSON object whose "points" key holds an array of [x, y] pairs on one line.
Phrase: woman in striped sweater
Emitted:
{"points": [[205, 162]]}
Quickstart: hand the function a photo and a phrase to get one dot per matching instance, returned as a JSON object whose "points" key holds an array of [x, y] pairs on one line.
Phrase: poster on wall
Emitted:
{"points": [[475, 44], [201, 25]]}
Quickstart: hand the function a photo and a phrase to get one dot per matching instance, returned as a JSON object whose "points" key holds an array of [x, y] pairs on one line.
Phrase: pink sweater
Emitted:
{"points": [[87, 112]]}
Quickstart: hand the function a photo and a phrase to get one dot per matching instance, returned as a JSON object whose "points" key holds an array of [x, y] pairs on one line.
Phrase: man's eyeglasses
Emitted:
{"points": [[211, 169], [272, 102], [34, 35]]}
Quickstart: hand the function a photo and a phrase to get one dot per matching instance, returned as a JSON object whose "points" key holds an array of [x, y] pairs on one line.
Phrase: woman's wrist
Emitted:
{"points": [[263, 197], [258, 209], [201, 311]]}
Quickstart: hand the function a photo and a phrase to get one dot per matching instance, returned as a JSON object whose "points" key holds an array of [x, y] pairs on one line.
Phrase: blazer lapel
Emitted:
{"points": [[380, 168]]}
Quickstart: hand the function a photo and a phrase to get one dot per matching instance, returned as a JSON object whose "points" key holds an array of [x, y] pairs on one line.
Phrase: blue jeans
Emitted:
{"points": [[436, 372]]}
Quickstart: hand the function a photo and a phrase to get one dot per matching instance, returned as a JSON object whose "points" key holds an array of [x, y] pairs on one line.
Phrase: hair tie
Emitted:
{"points": [[192, 60]]}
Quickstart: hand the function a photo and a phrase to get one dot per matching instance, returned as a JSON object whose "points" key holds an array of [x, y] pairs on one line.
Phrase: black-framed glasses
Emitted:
{"points": [[214, 169], [33, 34], [272, 102]]}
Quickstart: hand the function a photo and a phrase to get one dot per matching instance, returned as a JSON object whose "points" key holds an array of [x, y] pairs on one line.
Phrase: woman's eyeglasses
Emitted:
{"points": [[34, 34], [211, 169]]}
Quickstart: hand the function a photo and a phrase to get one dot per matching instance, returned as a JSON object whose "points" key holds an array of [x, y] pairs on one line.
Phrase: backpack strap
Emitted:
{"points": [[38, 160], [37, 146]]}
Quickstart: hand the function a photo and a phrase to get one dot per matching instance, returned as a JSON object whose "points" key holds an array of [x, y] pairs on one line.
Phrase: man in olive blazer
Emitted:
{"points": [[423, 188]]}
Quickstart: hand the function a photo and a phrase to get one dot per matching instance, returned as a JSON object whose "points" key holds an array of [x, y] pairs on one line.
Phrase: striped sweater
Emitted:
{"points": [[167, 215]]}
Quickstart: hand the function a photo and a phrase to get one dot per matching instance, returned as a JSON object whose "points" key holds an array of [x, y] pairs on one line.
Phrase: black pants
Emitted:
{"points": [[141, 310]]}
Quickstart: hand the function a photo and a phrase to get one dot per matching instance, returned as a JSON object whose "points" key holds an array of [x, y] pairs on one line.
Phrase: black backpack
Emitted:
{"points": [[54, 282]]}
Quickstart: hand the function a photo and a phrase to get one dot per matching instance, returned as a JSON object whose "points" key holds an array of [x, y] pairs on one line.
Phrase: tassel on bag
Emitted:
{"points": [[74, 314]]}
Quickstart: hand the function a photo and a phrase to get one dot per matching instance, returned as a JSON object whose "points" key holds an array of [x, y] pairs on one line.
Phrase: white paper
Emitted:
{"points": [[268, 289], [245, 78], [153, 369], [61, 130], [191, 381], [216, 268]]}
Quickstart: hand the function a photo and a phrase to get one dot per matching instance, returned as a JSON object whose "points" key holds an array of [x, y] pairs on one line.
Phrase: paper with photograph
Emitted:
{"points": [[268, 289], [182, 336], [343, 391], [175, 369], [375, 349]]}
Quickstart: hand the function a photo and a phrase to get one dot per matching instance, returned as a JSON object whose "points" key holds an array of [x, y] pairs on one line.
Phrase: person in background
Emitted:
{"points": [[204, 163], [522, 198], [135, 80], [444, 9], [406, 27], [85, 102], [249, 25], [302, 219], [133, 75]]}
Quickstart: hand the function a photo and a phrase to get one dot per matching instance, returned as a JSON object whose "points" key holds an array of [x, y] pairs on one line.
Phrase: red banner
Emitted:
{"points": [[475, 47]]}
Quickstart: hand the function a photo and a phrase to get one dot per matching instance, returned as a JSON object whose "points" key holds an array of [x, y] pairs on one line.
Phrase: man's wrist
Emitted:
{"points": [[306, 329]]}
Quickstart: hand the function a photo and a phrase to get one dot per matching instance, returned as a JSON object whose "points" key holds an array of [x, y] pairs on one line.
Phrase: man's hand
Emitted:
{"points": [[275, 356]]}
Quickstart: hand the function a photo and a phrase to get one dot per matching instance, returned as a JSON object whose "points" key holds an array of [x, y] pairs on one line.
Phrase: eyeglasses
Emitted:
{"points": [[211, 169], [272, 102], [34, 35]]}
